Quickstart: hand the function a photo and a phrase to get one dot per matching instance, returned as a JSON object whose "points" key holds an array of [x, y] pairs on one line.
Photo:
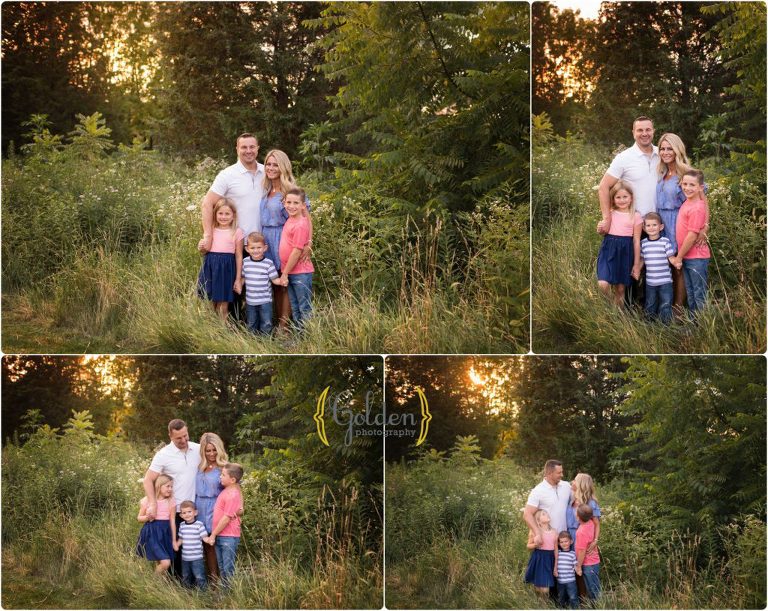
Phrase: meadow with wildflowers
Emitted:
{"points": [[69, 504], [456, 539], [100, 255], [569, 313]]}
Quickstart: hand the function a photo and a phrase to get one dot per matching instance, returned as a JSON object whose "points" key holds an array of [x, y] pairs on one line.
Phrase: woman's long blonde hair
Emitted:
{"points": [[682, 165], [221, 454], [287, 181], [585, 489]]}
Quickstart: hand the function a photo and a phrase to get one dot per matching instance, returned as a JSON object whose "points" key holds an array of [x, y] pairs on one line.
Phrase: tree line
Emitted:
{"points": [[428, 100], [697, 68]]}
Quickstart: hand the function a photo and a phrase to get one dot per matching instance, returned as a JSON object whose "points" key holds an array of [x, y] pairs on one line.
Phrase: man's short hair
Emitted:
{"points": [[564, 534], [176, 425], [246, 135], [256, 236], [550, 465], [641, 118], [235, 470], [697, 173], [584, 512], [187, 505], [653, 216]]}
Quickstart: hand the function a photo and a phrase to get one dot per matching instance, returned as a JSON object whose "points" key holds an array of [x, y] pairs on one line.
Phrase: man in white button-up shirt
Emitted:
{"points": [[639, 167], [552, 495], [180, 460], [242, 184]]}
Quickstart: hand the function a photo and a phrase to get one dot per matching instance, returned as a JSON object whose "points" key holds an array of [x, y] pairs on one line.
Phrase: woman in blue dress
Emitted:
{"points": [[669, 197], [207, 489], [278, 179]]}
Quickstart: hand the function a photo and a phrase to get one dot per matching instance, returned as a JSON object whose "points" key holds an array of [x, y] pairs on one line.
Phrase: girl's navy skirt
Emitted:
{"points": [[217, 277], [540, 569], [155, 541], [615, 260]]}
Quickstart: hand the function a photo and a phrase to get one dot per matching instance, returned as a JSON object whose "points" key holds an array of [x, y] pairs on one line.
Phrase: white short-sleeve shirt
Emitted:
{"points": [[245, 189], [640, 170], [181, 466], [554, 499]]}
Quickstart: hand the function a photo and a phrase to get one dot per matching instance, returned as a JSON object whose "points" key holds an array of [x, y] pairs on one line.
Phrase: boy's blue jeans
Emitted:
{"points": [[695, 275], [259, 318], [226, 550], [591, 574], [194, 569], [658, 301], [568, 595], [300, 296]]}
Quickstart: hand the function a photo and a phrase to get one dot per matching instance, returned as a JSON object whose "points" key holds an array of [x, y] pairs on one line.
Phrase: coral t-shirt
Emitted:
{"points": [[228, 503], [295, 235], [693, 216], [584, 536]]}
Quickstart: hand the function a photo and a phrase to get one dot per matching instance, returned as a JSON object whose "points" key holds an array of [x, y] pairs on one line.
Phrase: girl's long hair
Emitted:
{"points": [[161, 481], [221, 454], [218, 206], [585, 489], [286, 171], [620, 184]]}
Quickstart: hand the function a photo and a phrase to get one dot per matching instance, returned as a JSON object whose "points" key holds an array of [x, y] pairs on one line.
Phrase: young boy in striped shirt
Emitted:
{"points": [[656, 252], [258, 271], [190, 539], [565, 572]]}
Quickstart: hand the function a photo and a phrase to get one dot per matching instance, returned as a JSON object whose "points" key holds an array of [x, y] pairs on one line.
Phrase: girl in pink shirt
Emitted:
{"points": [[619, 258], [221, 275], [541, 565], [157, 536]]}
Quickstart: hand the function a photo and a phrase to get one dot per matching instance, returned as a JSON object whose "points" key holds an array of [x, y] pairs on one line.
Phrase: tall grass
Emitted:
{"points": [[455, 539], [101, 252], [570, 314]]}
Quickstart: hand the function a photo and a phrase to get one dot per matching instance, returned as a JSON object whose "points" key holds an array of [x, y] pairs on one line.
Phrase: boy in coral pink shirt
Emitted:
{"points": [[693, 259], [296, 274], [226, 521], [587, 564]]}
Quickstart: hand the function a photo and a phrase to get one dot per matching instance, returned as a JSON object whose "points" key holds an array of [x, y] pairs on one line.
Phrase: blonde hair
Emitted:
{"points": [[621, 185], [538, 513], [682, 165], [584, 489], [161, 481], [286, 171], [219, 205], [221, 454]]}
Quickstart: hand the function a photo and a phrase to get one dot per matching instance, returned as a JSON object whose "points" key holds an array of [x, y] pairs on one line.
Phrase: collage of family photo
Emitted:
{"points": [[383, 305]]}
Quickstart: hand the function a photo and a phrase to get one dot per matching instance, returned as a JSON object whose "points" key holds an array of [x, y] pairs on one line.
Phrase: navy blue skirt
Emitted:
{"points": [[217, 277], [541, 567], [155, 541], [615, 260]]}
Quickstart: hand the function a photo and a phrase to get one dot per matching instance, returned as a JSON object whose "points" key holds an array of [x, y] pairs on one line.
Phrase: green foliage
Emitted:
{"points": [[697, 452], [461, 93], [73, 472], [741, 31]]}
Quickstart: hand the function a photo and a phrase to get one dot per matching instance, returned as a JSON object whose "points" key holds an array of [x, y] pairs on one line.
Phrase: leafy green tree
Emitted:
{"points": [[568, 410], [653, 58], [697, 450], [740, 32], [432, 98]]}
